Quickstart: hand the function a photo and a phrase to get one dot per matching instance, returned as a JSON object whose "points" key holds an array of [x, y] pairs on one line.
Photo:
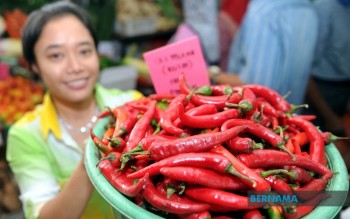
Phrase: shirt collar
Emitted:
{"points": [[49, 118]]}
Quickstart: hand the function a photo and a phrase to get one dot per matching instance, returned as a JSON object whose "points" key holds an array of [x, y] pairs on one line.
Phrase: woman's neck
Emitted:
{"points": [[76, 114]]}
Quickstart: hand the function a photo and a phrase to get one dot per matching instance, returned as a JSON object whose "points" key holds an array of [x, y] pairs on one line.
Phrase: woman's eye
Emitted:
{"points": [[55, 56], [85, 52]]}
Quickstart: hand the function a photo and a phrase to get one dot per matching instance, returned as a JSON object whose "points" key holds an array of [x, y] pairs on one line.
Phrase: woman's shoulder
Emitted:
{"points": [[27, 125], [29, 119], [115, 97]]}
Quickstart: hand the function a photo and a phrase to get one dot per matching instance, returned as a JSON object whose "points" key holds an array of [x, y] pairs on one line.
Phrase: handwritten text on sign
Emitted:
{"points": [[168, 62]]}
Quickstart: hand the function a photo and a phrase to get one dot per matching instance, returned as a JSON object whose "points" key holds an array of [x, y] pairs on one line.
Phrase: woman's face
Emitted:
{"points": [[66, 59]]}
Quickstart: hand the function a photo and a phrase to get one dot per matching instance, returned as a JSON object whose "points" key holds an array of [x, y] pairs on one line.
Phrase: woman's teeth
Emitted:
{"points": [[77, 82]]}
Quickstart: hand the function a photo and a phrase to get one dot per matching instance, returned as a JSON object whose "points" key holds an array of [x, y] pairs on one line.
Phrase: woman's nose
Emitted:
{"points": [[74, 64]]}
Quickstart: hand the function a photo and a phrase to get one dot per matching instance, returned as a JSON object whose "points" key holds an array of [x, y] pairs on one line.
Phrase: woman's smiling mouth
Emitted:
{"points": [[77, 84]]}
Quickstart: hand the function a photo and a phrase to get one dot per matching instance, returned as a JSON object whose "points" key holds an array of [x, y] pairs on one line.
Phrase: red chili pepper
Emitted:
{"points": [[305, 154], [171, 188], [153, 197], [202, 176], [203, 90], [194, 143], [317, 149], [189, 106], [139, 201], [127, 117], [163, 189], [266, 106], [218, 101], [206, 121], [183, 85], [247, 105], [257, 130], [114, 158], [316, 184], [106, 112], [147, 141], [219, 197], [259, 183], [242, 145], [219, 209], [274, 122], [306, 117], [276, 183], [264, 120], [118, 143], [141, 157], [200, 215], [140, 164], [207, 160], [100, 145], [290, 146], [107, 135], [311, 189], [297, 148], [292, 129], [140, 151], [120, 116], [161, 97], [300, 138], [253, 214], [139, 103], [296, 212], [328, 137], [269, 157], [140, 128], [274, 212], [119, 180], [141, 108], [274, 98], [170, 114], [215, 90], [158, 113], [204, 109], [150, 130], [221, 89], [220, 216], [296, 174]]}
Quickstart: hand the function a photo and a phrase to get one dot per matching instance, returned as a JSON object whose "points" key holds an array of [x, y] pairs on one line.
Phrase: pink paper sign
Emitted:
{"points": [[166, 63]]}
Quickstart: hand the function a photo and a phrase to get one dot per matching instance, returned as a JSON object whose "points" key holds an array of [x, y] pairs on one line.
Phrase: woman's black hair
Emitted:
{"points": [[39, 18]]}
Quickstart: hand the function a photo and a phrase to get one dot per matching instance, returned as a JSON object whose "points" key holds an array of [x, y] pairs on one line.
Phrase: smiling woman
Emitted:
{"points": [[45, 147], [68, 64]]}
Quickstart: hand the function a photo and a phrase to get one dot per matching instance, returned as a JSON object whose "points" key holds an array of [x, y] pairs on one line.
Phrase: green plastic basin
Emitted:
{"points": [[339, 182], [124, 208]]}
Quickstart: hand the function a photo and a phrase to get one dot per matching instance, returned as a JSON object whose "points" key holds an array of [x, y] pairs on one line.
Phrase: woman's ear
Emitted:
{"points": [[35, 68]]}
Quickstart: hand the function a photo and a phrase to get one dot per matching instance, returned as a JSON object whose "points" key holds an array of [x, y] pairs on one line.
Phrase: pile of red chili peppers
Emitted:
{"points": [[197, 154]]}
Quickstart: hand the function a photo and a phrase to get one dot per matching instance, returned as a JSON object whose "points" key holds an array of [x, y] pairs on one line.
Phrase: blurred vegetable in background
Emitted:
{"points": [[14, 21], [17, 96]]}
